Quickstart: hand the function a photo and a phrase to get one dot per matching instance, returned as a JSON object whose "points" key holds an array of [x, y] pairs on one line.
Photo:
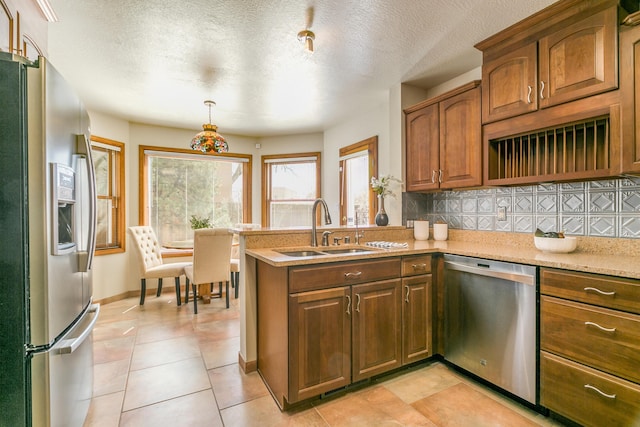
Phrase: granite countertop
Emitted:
{"points": [[609, 263]]}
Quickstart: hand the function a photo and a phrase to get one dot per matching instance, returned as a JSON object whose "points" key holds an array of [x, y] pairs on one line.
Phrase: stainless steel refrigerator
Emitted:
{"points": [[47, 241]]}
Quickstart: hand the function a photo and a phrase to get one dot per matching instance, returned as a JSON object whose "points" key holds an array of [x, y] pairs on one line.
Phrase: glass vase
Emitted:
{"points": [[382, 218]]}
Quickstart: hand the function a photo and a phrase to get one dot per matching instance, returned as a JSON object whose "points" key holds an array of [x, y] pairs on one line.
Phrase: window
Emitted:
{"points": [[108, 161], [358, 163], [176, 185], [291, 183]]}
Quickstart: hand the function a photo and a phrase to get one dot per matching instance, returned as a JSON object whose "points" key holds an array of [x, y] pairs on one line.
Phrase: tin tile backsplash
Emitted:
{"points": [[606, 208]]}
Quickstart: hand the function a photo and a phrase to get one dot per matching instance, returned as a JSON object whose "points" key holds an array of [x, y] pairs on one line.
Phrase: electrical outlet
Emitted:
{"points": [[409, 223], [502, 213]]}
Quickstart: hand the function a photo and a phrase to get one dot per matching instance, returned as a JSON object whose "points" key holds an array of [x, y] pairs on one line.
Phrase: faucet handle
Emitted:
{"points": [[325, 238], [336, 240]]}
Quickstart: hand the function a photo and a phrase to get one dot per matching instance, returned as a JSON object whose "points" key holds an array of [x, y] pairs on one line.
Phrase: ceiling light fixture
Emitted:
{"points": [[307, 37], [209, 140]]}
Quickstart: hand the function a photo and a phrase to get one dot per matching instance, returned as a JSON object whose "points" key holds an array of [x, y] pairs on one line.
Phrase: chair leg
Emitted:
{"points": [[159, 287], [143, 290], [237, 277], [195, 298], [178, 290], [186, 291], [227, 292]]}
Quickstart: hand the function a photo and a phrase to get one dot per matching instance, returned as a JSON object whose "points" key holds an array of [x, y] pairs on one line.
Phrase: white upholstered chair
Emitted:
{"points": [[150, 264], [211, 254], [234, 265]]}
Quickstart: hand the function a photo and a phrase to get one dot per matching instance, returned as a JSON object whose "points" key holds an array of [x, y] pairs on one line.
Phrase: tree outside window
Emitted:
{"points": [[291, 183], [108, 162], [180, 184], [358, 163]]}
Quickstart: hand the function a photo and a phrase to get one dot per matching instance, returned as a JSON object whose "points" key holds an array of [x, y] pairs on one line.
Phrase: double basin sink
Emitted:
{"points": [[327, 251]]}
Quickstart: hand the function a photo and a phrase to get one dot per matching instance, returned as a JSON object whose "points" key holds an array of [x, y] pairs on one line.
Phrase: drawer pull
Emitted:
{"points": [[358, 306], [529, 94], [422, 266], [602, 328], [599, 291], [609, 396], [406, 298], [348, 304], [350, 275]]}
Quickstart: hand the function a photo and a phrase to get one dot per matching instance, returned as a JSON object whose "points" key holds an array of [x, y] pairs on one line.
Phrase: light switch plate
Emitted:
{"points": [[502, 213]]}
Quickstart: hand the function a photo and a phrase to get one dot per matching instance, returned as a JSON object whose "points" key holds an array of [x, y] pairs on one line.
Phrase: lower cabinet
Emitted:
{"points": [[323, 327], [590, 347]]}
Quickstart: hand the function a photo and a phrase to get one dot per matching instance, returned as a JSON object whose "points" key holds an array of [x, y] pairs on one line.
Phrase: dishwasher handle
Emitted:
{"points": [[483, 271]]}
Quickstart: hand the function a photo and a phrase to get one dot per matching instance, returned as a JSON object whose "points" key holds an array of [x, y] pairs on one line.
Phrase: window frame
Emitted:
{"points": [[119, 219], [266, 189], [370, 145], [143, 167]]}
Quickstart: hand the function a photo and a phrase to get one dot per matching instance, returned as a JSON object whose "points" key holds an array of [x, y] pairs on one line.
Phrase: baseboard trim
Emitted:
{"points": [[247, 367]]}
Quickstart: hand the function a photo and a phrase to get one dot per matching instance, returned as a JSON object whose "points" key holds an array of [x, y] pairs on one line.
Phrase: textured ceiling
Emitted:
{"points": [[156, 61]]}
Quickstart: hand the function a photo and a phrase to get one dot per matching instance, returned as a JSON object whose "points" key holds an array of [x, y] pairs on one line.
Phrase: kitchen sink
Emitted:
{"points": [[301, 253], [347, 251]]}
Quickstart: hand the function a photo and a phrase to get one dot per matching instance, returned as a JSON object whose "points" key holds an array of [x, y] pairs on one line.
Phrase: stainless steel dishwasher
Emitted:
{"points": [[490, 322]]}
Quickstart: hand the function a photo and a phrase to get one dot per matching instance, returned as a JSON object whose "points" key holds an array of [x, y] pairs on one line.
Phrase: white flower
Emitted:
{"points": [[381, 186]]}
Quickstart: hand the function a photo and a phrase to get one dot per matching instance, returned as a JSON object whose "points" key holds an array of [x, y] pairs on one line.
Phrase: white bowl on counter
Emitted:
{"points": [[556, 245]]}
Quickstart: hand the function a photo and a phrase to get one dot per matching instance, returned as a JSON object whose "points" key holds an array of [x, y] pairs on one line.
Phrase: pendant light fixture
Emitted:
{"points": [[209, 139], [307, 37]]}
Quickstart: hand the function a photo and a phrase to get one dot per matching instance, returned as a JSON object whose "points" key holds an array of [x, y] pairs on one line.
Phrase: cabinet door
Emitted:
{"points": [[319, 342], [509, 84], [580, 59], [461, 140], [422, 148], [630, 90], [376, 328], [416, 318]]}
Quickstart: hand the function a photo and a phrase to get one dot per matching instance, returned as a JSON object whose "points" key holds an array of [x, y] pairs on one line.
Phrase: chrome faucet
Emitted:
{"points": [[327, 219]]}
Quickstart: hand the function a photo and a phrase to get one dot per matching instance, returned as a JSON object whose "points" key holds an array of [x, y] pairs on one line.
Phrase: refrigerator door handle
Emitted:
{"points": [[69, 346], [85, 259]]}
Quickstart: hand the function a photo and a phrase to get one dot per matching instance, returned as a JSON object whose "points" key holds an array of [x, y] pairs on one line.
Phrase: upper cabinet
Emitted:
{"points": [[570, 55], [444, 141], [630, 88]]}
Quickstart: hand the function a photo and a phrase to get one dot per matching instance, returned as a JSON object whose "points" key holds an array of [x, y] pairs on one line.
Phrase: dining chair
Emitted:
{"points": [[150, 263], [211, 255], [234, 266]]}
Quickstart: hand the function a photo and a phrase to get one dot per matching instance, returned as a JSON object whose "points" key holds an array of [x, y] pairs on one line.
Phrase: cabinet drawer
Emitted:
{"points": [[571, 389], [414, 265], [343, 273], [598, 337], [605, 291]]}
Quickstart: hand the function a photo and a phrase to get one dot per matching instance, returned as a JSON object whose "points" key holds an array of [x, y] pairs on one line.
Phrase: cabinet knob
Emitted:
{"points": [[406, 298], [529, 94], [348, 304], [440, 176], [433, 176], [541, 89]]}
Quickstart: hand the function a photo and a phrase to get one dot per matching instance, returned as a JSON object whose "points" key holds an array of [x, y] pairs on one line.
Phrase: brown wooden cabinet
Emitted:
{"points": [[324, 326], [320, 361], [573, 55], [590, 347], [444, 141], [417, 322], [376, 328], [630, 88]]}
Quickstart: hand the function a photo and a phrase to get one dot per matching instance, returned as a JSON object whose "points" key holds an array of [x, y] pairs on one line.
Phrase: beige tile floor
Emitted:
{"points": [[160, 364]]}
